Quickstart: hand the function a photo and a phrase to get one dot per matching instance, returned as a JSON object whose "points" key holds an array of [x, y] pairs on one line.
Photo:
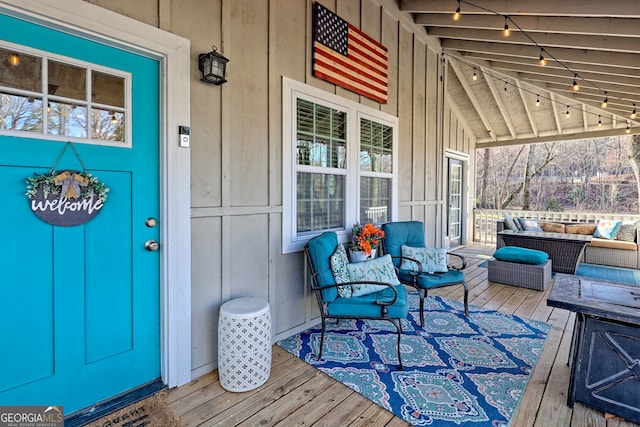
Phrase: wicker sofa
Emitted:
{"points": [[616, 253]]}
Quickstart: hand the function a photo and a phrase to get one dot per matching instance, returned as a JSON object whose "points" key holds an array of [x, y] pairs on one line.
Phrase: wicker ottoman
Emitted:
{"points": [[531, 276]]}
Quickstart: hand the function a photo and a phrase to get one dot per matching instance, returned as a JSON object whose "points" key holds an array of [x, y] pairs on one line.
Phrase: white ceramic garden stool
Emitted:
{"points": [[244, 344]]}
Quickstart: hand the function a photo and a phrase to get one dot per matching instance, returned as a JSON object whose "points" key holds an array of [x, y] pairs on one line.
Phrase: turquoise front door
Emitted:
{"points": [[79, 305]]}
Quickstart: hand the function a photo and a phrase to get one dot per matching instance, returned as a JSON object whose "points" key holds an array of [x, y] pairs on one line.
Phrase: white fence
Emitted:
{"points": [[484, 220]]}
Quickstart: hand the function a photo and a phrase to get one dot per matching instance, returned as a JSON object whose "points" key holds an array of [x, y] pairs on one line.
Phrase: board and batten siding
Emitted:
{"points": [[236, 143]]}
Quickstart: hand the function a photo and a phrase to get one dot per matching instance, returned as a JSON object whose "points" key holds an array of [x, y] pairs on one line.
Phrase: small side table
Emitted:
{"points": [[244, 344]]}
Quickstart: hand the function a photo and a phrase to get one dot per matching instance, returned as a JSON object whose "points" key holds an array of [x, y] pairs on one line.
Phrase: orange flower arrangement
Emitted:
{"points": [[366, 237]]}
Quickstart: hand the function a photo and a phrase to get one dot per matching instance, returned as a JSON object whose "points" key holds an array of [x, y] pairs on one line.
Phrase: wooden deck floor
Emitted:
{"points": [[298, 394]]}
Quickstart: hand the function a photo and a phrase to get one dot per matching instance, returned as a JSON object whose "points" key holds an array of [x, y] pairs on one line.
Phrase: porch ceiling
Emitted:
{"points": [[599, 41]]}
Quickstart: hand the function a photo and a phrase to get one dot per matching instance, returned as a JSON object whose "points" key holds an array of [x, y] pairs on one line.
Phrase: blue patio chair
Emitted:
{"points": [[389, 303], [411, 270]]}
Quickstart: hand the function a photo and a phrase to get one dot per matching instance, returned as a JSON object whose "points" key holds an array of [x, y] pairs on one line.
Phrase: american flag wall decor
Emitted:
{"points": [[347, 57]]}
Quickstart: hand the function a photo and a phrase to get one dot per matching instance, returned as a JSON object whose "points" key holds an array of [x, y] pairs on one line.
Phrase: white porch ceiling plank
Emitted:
{"points": [[562, 72], [523, 96], [554, 138], [626, 27], [579, 8], [546, 40], [611, 71], [476, 104], [503, 109], [617, 59], [556, 116]]}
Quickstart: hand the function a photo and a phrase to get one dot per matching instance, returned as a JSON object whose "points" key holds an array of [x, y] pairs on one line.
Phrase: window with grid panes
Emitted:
{"points": [[338, 165]]}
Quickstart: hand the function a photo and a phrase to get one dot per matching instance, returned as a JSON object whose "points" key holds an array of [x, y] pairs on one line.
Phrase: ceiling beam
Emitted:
{"points": [[549, 41], [618, 59], [578, 67], [503, 108], [524, 97], [474, 101], [626, 27], [623, 8], [556, 116], [485, 143], [582, 75]]}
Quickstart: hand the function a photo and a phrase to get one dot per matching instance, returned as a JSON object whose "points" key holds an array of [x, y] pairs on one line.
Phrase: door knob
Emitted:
{"points": [[151, 245]]}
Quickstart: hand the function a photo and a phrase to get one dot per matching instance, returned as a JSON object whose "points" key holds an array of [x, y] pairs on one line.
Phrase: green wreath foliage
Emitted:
{"points": [[45, 181]]}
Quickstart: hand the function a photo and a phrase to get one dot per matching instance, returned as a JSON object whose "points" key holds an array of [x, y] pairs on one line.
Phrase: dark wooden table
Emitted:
{"points": [[605, 349], [564, 250]]}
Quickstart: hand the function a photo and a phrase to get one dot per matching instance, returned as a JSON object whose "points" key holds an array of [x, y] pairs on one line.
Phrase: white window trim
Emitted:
{"points": [[291, 91]]}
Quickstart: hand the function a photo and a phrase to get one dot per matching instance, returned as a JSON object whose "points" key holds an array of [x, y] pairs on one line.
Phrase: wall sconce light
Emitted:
{"points": [[213, 67], [14, 59]]}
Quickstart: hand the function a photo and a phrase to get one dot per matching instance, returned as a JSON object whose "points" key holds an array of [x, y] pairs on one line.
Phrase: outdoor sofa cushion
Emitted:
{"points": [[607, 229], [529, 224], [521, 255]]}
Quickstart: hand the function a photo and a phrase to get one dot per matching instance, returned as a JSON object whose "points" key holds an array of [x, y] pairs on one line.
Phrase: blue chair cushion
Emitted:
{"points": [[376, 270], [436, 280], [365, 306], [521, 255], [433, 260], [397, 234], [320, 250]]}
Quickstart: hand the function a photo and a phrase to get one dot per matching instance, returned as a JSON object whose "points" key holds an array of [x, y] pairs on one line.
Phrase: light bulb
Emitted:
{"points": [[633, 113], [538, 101], [568, 114], [599, 122], [506, 28], [575, 83], [628, 128], [456, 16], [14, 59], [606, 101], [475, 76]]}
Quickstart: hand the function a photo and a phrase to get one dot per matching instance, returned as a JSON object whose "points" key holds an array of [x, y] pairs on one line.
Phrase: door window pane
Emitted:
{"points": [[21, 113], [107, 89], [66, 80], [20, 71]]}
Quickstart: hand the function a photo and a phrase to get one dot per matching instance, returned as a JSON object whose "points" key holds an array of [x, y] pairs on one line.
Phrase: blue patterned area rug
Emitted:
{"points": [[457, 371]]}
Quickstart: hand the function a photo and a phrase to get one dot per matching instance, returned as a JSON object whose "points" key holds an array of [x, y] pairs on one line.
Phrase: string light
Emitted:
{"points": [[475, 76], [628, 127], [543, 52], [539, 97], [633, 113]]}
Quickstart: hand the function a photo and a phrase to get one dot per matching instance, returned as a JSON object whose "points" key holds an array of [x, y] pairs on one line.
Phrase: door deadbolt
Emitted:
{"points": [[151, 245]]}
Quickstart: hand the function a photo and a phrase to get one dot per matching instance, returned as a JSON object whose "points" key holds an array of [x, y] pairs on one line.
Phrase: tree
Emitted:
{"points": [[634, 158]]}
